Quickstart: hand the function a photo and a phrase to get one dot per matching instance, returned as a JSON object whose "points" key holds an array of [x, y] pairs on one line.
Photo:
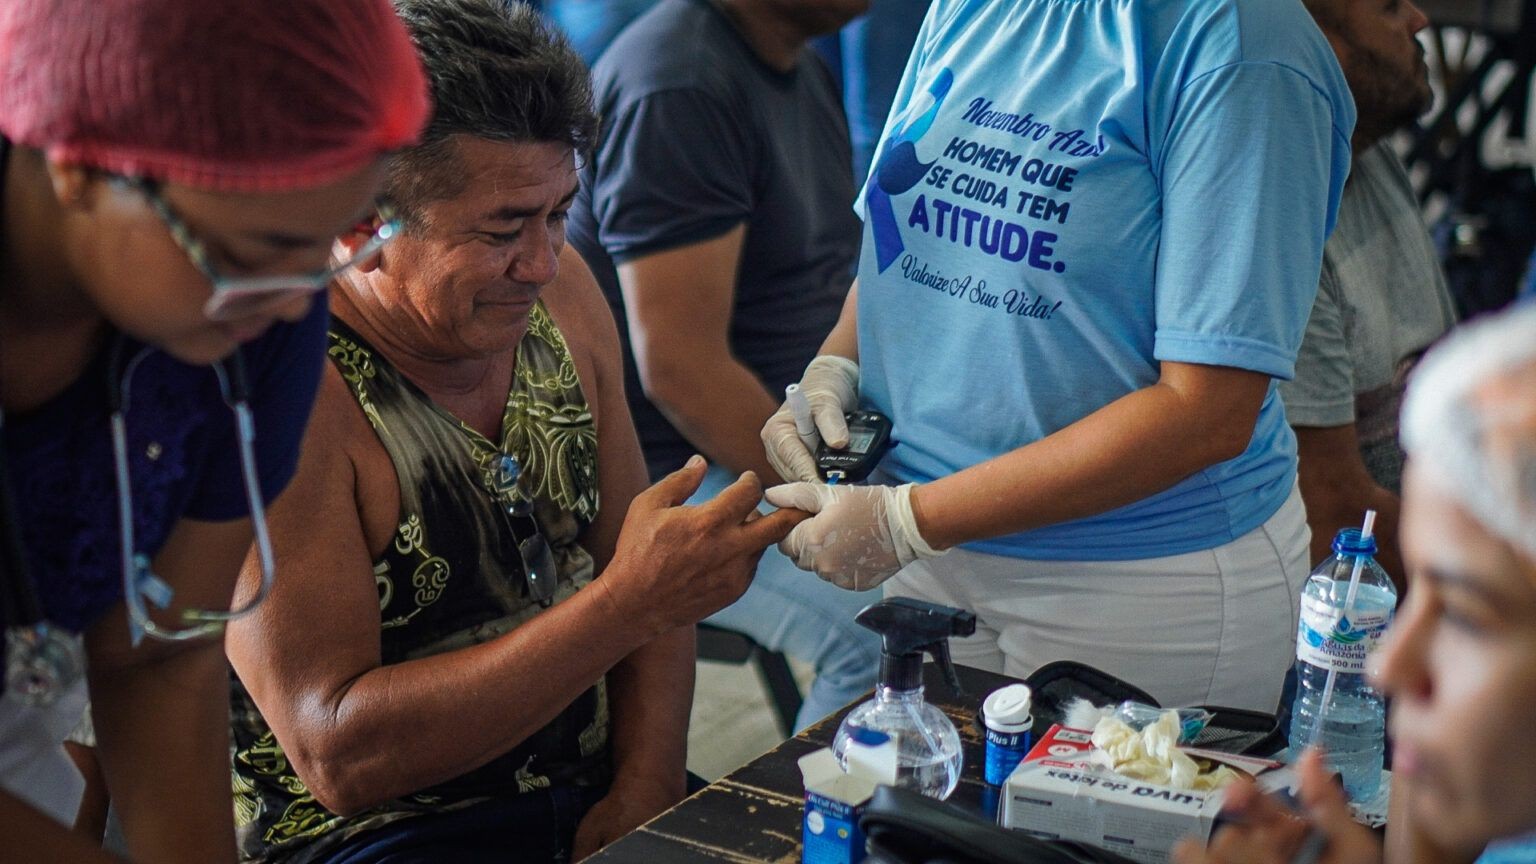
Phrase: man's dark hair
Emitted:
{"points": [[497, 71]]}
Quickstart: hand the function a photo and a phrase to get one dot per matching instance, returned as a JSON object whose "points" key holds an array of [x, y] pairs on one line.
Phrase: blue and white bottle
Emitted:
{"points": [[1336, 637]]}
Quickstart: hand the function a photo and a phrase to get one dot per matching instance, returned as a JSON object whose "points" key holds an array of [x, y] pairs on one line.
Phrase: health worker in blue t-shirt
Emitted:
{"points": [[168, 210], [1092, 237]]}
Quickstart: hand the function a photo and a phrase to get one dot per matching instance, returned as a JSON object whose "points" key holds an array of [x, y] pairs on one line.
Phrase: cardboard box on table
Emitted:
{"points": [[835, 799], [1058, 793]]}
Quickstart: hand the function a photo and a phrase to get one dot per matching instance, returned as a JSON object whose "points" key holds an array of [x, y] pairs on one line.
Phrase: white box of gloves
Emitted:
{"points": [[1065, 790]]}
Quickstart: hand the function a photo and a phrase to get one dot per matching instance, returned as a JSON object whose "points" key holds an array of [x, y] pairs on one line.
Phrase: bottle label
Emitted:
{"points": [[1004, 752], [1329, 639]]}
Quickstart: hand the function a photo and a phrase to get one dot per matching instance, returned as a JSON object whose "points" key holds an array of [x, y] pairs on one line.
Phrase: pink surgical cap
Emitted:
{"points": [[224, 95]]}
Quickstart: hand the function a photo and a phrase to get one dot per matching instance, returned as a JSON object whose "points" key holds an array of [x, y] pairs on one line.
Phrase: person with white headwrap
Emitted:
{"points": [[1470, 423], [1460, 661]]}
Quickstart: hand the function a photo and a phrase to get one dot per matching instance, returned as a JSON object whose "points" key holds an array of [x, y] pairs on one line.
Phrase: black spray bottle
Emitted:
{"points": [[928, 747]]}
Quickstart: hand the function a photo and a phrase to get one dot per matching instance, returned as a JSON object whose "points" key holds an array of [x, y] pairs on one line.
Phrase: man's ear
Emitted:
{"points": [[353, 239]]}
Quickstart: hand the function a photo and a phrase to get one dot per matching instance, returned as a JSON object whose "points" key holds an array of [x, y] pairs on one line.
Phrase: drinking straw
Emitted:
{"points": [[1349, 608]]}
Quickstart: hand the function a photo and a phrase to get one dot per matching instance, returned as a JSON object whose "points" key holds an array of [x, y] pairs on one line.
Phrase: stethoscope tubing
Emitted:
{"points": [[139, 582]]}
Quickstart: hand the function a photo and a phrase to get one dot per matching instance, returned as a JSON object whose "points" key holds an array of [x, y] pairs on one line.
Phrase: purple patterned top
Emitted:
{"points": [[184, 460]]}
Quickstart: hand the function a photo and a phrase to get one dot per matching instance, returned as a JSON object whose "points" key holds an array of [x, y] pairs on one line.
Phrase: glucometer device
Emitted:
{"points": [[869, 436]]}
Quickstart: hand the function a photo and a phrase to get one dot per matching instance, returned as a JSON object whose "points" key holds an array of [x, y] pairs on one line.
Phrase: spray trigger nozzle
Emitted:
{"points": [[910, 628]]}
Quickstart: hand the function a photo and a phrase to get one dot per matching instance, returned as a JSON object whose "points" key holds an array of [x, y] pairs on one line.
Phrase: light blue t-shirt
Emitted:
{"points": [[1067, 193], [1519, 850]]}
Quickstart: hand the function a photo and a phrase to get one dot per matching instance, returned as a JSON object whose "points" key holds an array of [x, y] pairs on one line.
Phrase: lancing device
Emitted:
{"points": [[805, 424]]}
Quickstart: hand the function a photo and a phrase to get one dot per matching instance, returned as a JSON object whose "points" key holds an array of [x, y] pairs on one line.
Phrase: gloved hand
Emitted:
{"points": [[831, 386], [860, 535]]}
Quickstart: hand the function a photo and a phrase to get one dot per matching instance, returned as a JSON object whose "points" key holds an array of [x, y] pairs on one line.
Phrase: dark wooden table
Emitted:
{"points": [[752, 815]]}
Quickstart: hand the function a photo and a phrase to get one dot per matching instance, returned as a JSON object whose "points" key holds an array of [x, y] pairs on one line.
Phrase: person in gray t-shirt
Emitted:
{"points": [[717, 215], [1382, 298]]}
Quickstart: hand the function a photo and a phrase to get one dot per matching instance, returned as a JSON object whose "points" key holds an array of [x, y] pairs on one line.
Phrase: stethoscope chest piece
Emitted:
{"points": [[41, 662]]}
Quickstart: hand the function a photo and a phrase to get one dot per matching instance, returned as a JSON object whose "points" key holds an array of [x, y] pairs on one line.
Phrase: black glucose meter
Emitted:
{"points": [[869, 436]]}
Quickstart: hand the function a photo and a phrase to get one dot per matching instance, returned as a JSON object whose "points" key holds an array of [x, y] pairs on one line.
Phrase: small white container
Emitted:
{"points": [[1006, 715]]}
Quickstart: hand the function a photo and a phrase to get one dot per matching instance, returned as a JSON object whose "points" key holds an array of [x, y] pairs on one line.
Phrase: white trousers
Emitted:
{"points": [[33, 764], [1216, 627]]}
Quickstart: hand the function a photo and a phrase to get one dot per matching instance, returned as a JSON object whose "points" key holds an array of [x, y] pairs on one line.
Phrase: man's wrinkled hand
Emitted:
{"points": [[831, 387], [1265, 832], [858, 537], [675, 565], [619, 812]]}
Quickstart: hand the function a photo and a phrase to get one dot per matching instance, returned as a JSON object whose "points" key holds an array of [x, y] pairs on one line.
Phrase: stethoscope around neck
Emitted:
{"points": [[43, 660]]}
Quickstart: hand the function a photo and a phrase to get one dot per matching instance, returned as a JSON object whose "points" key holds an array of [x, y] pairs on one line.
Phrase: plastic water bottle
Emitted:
{"points": [[1334, 639]]}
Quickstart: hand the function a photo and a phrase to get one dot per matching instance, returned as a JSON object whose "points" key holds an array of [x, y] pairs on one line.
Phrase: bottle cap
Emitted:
{"points": [[1350, 542], [1007, 710]]}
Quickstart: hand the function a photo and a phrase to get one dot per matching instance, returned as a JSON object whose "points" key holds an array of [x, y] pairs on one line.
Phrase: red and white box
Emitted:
{"points": [[1059, 793]]}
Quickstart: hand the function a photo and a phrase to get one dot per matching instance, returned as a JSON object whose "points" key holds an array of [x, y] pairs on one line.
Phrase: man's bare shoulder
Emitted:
{"points": [[577, 303], [580, 310], [350, 452], [337, 419]]}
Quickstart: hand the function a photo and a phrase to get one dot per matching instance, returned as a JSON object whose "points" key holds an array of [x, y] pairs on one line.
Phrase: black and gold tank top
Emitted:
{"points": [[453, 577]]}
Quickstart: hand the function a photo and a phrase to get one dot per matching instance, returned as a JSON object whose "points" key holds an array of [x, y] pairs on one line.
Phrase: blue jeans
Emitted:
{"points": [[535, 826], [787, 609]]}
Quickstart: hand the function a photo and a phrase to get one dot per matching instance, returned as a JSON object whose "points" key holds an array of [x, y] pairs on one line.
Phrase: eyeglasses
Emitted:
{"points": [[237, 296], [140, 584], [540, 576]]}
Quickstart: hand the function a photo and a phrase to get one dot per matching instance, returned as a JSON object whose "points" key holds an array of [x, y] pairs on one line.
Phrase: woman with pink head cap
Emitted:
{"points": [[173, 174], [1460, 662]]}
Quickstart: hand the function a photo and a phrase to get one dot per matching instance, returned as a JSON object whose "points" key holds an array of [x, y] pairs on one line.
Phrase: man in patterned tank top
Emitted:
{"points": [[474, 652]]}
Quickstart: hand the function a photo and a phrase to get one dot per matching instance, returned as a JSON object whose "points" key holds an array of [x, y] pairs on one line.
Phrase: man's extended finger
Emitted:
{"points": [[675, 488], [735, 501], [765, 531]]}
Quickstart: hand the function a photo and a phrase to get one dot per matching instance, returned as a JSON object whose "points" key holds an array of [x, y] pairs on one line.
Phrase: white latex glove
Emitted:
{"points": [[831, 386], [860, 535]]}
